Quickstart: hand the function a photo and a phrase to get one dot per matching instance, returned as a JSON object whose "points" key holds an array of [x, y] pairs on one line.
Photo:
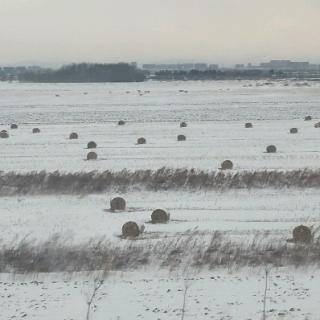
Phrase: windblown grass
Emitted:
{"points": [[190, 250], [13, 183]]}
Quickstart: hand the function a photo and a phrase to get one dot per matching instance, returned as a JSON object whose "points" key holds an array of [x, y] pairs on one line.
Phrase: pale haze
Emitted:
{"points": [[217, 31]]}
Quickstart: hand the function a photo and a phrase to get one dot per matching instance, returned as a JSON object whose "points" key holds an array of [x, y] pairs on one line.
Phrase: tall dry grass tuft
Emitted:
{"points": [[14, 183], [190, 249]]}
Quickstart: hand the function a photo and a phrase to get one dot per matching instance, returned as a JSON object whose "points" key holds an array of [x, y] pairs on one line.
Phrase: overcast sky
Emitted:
{"points": [[221, 31]]}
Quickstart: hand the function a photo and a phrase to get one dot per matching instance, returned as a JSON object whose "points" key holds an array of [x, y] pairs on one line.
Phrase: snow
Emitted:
{"points": [[238, 213], [148, 295], [216, 113]]}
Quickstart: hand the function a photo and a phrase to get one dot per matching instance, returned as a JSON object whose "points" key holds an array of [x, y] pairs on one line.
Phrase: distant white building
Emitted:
{"points": [[176, 67], [213, 67], [285, 65]]}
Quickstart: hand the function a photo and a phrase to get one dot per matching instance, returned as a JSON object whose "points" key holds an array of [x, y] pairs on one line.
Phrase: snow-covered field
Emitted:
{"points": [[216, 113], [152, 296], [235, 212]]}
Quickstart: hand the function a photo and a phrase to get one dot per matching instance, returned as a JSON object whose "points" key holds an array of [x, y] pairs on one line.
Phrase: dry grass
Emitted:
{"points": [[190, 249], [12, 183]]}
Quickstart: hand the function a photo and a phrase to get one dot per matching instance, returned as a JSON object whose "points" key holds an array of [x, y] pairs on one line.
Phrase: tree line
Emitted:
{"points": [[216, 75], [86, 72]]}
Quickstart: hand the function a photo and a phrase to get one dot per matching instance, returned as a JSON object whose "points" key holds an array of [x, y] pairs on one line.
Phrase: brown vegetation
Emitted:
{"points": [[302, 234], [14, 183], [293, 130], [160, 216], [183, 124], [118, 204], [271, 149], [141, 141], [91, 145], [226, 165], [130, 230], [190, 248], [4, 134], [73, 135], [181, 137], [92, 156]]}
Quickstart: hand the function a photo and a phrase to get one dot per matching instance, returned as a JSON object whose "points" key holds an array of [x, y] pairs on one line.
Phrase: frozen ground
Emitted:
{"points": [[239, 213], [215, 112], [221, 295]]}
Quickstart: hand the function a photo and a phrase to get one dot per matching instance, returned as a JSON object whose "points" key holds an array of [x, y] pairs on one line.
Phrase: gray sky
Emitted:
{"points": [[222, 31]]}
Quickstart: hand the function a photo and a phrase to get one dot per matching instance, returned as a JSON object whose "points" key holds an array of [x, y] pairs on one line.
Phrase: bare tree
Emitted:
{"points": [[267, 272], [97, 285], [183, 309]]}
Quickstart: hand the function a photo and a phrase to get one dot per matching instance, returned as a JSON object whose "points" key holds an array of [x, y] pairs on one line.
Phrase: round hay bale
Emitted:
{"points": [[226, 165], [14, 126], [4, 134], [4, 131], [92, 156], [248, 125], [293, 130], [121, 123], [118, 204], [271, 149], [130, 230], [302, 234], [160, 216], [317, 125], [181, 137], [183, 124], [91, 145], [73, 135], [308, 118], [35, 130], [141, 141]]}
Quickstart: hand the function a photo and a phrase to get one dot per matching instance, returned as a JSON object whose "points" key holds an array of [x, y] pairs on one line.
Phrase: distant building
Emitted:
{"points": [[200, 66], [314, 67], [239, 66], [213, 67], [12, 73], [175, 67], [285, 65]]}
